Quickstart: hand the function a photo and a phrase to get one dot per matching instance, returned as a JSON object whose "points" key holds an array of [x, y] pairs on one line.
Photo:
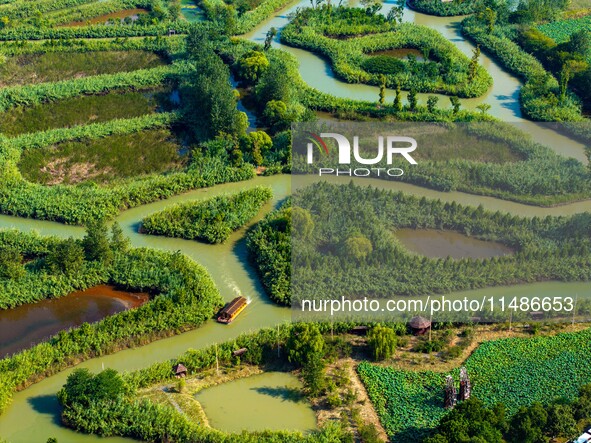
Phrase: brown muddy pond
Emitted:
{"points": [[401, 53], [101, 19], [441, 244], [27, 325]]}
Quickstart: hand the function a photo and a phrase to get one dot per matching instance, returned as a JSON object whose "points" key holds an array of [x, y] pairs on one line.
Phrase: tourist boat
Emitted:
{"points": [[231, 310]]}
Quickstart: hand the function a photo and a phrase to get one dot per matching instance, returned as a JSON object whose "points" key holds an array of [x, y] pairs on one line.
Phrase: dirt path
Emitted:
{"points": [[367, 411]]}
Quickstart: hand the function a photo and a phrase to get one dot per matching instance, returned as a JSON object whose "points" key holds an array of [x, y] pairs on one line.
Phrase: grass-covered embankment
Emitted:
{"points": [[212, 220]]}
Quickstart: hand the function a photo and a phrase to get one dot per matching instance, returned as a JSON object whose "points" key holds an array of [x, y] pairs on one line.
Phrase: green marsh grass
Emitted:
{"points": [[80, 111], [57, 66], [103, 160]]}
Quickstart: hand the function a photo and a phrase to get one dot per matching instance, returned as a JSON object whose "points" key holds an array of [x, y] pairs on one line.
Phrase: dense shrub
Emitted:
{"points": [[184, 296], [383, 64], [446, 9], [449, 74], [169, 46], [80, 203], [539, 96], [29, 95], [269, 246], [89, 132], [554, 248], [212, 220], [93, 31]]}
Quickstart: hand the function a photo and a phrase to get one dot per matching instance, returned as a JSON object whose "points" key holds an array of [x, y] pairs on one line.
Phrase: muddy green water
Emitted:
{"points": [[442, 244], [267, 401], [26, 325]]}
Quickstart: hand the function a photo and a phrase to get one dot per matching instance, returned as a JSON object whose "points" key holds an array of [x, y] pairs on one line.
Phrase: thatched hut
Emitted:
{"points": [[419, 325], [179, 370]]}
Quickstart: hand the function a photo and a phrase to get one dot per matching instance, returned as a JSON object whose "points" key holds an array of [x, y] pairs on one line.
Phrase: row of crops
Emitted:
{"points": [[516, 372]]}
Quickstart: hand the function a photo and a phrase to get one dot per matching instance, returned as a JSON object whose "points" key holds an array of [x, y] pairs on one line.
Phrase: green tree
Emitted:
{"points": [[225, 18], [570, 68], [455, 104], [272, 85], [271, 33], [276, 115], [108, 385], [305, 343], [382, 342], [489, 16], [174, 7], [96, 242], [471, 422], [561, 421], [382, 95], [84, 388], [483, 108], [236, 157], [259, 144], [473, 67], [51, 440], [209, 101], [78, 388], [357, 246], [67, 257], [432, 101], [11, 263], [398, 99], [580, 43], [302, 223], [527, 425], [412, 99], [119, 242], [582, 406], [396, 14], [313, 375], [252, 65]]}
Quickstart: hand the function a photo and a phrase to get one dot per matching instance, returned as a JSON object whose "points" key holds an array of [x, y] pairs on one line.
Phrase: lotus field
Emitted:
{"points": [[561, 31], [516, 372]]}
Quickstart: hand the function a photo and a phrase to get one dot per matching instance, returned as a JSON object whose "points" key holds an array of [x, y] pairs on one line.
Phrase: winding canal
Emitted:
{"points": [[34, 412], [503, 96]]}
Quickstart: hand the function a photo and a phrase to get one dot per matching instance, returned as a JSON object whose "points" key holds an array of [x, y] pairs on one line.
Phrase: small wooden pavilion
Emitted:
{"points": [[179, 370], [419, 325]]}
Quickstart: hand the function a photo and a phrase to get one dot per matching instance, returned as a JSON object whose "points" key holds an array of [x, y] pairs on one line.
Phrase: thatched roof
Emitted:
{"points": [[179, 368], [419, 323]]}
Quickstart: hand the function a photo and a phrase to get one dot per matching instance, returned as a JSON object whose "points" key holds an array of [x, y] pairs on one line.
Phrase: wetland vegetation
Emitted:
{"points": [[109, 106]]}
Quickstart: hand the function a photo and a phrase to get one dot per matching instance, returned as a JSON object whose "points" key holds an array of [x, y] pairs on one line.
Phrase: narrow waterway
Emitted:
{"points": [[34, 413], [503, 96]]}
